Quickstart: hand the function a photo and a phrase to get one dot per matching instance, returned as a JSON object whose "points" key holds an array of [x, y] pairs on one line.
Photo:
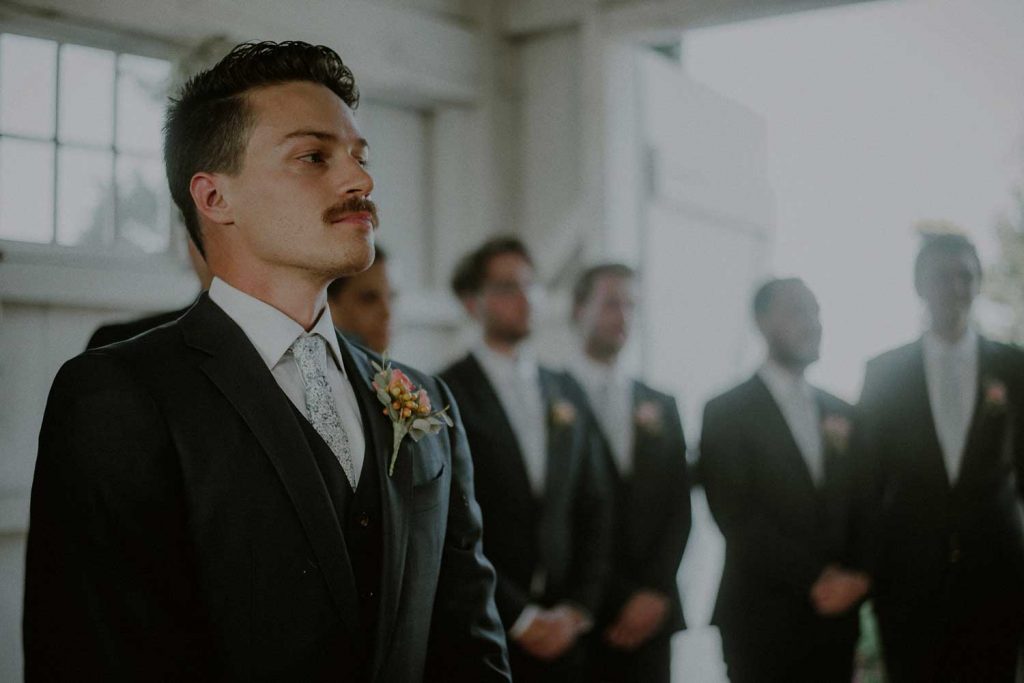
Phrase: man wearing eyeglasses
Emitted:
{"points": [[538, 470]]}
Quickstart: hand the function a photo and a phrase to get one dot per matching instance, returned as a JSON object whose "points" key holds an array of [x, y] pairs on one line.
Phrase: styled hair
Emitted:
{"points": [[338, 286], [471, 270], [765, 294], [585, 283], [943, 243], [208, 124]]}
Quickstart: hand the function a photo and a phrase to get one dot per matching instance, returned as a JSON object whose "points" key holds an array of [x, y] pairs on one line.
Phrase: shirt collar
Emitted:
{"points": [[522, 364], [783, 382], [270, 331], [963, 349]]}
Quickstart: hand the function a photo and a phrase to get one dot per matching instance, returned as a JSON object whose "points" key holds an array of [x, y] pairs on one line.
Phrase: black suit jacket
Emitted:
{"points": [[567, 533], [780, 529], [117, 332], [652, 508], [921, 537], [180, 528]]}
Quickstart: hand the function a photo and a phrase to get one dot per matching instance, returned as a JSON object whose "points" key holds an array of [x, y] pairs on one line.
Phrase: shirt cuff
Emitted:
{"points": [[524, 620]]}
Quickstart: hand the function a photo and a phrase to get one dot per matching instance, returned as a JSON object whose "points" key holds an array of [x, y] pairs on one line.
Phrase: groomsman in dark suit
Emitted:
{"points": [[218, 499], [777, 475], [652, 494], [539, 468], [939, 435]]}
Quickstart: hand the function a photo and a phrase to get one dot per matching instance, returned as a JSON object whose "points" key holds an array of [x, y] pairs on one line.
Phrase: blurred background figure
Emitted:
{"points": [[775, 470], [945, 541], [115, 332], [361, 305], [539, 469], [644, 435]]}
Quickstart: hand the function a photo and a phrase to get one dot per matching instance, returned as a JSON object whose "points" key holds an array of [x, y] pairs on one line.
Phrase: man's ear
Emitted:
{"points": [[207, 194], [470, 303]]}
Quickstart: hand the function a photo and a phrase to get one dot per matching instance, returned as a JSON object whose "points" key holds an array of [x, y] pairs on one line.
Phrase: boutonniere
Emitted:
{"points": [[836, 430], [995, 396], [648, 417], [407, 406], [563, 413]]}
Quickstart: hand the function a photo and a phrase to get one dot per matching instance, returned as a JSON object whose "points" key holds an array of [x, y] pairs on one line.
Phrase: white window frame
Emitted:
{"points": [[91, 277]]}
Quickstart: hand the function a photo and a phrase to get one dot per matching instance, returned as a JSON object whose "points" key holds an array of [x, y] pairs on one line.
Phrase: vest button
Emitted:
{"points": [[363, 519]]}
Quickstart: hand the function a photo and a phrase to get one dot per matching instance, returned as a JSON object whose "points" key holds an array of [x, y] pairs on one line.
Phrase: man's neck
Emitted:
{"points": [[794, 370], [503, 347], [952, 333], [301, 300]]}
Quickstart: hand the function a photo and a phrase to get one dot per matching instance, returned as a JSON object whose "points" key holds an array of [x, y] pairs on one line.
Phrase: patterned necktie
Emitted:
{"points": [[310, 352]]}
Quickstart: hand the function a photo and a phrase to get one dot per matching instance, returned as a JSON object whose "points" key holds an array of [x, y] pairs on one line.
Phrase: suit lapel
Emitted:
{"points": [[494, 415], [558, 411], [396, 495], [985, 425], [776, 423], [919, 406], [237, 370]]}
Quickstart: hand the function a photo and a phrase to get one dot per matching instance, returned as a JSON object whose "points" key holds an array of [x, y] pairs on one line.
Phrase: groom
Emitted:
{"points": [[212, 499]]}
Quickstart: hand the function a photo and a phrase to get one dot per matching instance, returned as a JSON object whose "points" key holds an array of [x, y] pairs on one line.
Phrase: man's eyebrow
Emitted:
{"points": [[322, 135]]}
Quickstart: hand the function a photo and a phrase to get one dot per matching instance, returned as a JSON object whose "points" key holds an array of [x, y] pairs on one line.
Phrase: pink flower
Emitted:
{"points": [[422, 402], [836, 430], [648, 416], [995, 393], [400, 383], [563, 413]]}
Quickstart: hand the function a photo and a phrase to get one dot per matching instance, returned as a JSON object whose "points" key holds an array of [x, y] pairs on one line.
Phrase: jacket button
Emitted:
{"points": [[364, 520]]}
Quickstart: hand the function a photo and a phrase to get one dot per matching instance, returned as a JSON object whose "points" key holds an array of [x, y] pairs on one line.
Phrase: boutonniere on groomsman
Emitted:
{"points": [[539, 467], [787, 606], [942, 500], [646, 455]]}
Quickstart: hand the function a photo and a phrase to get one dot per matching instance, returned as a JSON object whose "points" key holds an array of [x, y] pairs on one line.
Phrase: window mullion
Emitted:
{"points": [[115, 210], [55, 145]]}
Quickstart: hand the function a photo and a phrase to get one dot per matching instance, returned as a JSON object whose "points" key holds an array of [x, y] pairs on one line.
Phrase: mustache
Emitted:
{"points": [[352, 205]]}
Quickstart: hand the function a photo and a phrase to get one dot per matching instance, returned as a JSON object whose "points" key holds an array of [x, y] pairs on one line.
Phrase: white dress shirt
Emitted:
{"points": [[951, 373], [516, 381], [610, 392], [795, 398], [273, 333]]}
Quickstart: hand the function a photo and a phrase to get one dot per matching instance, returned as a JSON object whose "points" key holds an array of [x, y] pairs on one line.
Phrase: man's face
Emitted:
{"points": [[792, 327], [606, 318], [949, 283], [504, 305], [363, 307], [299, 201]]}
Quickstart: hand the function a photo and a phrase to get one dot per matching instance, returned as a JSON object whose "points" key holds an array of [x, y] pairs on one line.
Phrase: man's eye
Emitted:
{"points": [[312, 158], [365, 163]]}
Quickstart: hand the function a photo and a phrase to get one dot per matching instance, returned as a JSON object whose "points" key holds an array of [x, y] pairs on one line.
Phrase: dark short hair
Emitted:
{"points": [[471, 270], [765, 294], [207, 124], [584, 286], [943, 243], [337, 286]]}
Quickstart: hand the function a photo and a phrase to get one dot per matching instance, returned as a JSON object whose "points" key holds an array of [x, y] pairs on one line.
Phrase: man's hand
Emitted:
{"points": [[553, 631], [837, 590], [639, 619]]}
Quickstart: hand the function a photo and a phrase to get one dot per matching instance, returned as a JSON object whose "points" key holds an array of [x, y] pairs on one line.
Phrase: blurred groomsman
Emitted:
{"points": [[539, 468], [944, 485], [361, 305], [777, 478], [652, 495]]}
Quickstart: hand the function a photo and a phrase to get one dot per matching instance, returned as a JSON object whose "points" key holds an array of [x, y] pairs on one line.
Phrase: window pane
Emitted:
{"points": [[26, 190], [28, 75], [86, 95], [84, 197], [141, 99], [143, 207]]}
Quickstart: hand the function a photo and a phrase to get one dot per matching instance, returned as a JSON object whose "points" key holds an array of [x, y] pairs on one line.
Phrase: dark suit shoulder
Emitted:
{"points": [[895, 359], [648, 393], [736, 398], [833, 403], [118, 332]]}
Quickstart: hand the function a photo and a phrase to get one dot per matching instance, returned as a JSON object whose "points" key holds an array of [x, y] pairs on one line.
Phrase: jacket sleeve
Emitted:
{"points": [[758, 545], [467, 641], [110, 591], [660, 572]]}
